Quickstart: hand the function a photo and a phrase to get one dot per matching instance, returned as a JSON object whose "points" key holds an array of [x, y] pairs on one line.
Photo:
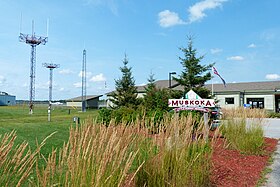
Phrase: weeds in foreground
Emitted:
{"points": [[95, 155], [242, 112], [246, 138], [16, 163], [183, 158]]}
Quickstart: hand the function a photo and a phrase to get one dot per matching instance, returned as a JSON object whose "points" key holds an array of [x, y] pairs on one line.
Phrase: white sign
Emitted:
{"points": [[191, 102]]}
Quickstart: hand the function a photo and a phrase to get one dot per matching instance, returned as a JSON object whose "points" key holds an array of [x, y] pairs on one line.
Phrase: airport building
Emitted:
{"points": [[6, 99], [91, 101], [249, 94]]}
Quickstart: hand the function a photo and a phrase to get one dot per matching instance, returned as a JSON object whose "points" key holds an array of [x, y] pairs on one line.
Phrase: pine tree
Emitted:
{"points": [[151, 91], [194, 75], [126, 93], [157, 98]]}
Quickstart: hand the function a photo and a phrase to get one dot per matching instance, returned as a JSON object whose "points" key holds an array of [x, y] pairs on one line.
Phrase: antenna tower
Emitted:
{"points": [[84, 88], [33, 40], [51, 67]]}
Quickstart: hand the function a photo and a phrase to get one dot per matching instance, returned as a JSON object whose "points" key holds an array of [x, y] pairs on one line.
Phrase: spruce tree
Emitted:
{"points": [[151, 91], [157, 98], [126, 93], [194, 75]]}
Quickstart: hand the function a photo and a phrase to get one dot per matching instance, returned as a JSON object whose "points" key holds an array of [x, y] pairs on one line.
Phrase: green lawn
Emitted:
{"points": [[35, 127]]}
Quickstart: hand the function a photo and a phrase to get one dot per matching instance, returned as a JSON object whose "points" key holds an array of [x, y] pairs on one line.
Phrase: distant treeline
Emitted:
{"points": [[39, 102]]}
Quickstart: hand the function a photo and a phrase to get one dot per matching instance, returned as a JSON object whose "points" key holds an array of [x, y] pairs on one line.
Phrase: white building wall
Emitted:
{"points": [[269, 100], [222, 101], [74, 104]]}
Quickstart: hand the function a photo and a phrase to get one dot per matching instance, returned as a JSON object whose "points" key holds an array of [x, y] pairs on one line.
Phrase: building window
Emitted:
{"points": [[229, 100], [256, 102]]}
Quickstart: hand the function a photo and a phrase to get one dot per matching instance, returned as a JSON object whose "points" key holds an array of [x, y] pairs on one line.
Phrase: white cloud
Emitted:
{"points": [[272, 76], [61, 89], [252, 45], [2, 79], [236, 58], [88, 74], [168, 19], [197, 11], [65, 71], [77, 85], [216, 50], [98, 78]]}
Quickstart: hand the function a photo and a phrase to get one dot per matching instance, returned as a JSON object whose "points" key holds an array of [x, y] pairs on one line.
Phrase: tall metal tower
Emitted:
{"points": [[84, 81], [33, 40], [51, 67]]}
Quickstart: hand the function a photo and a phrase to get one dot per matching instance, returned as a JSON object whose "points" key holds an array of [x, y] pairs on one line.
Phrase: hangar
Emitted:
{"points": [[91, 101], [6, 99]]}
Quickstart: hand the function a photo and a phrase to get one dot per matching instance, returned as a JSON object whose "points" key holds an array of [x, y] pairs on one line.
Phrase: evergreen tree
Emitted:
{"points": [[156, 98], [194, 75], [149, 97], [126, 93]]}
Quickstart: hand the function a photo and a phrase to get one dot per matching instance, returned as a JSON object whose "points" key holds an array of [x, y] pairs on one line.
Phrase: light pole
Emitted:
{"points": [[171, 73]]}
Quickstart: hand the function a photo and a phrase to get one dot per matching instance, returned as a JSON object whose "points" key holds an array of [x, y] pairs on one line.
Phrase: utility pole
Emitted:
{"points": [[33, 41], [84, 81], [50, 67]]}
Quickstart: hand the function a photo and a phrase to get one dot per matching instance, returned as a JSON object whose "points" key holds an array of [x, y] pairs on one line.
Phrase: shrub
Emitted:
{"points": [[104, 116]]}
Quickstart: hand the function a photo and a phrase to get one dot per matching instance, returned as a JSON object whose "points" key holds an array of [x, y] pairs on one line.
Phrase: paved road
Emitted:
{"points": [[272, 130]]}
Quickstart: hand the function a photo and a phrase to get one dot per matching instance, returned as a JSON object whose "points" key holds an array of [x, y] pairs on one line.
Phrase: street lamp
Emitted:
{"points": [[171, 73]]}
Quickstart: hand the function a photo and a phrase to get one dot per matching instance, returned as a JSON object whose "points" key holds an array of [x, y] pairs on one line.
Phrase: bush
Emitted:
{"points": [[104, 116], [125, 115]]}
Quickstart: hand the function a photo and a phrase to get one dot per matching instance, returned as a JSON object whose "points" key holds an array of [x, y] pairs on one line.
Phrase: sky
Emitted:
{"points": [[242, 38]]}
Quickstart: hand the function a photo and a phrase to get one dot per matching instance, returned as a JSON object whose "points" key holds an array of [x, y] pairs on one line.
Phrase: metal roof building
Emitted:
{"points": [[91, 101], [6, 99]]}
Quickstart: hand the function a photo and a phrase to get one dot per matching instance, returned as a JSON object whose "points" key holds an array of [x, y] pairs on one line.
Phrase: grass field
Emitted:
{"points": [[32, 128]]}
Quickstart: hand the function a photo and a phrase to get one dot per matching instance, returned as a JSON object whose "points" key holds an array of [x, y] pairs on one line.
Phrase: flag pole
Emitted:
{"points": [[212, 89], [212, 85]]}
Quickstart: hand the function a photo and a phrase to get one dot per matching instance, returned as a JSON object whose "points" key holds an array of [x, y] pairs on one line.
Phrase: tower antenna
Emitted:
{"points": [[51, 67], [33, 41], [84, 83]]}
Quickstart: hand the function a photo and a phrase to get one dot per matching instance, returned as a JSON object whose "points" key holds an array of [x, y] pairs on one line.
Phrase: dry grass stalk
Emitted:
{"points": [[95, 155], [16, 163], [242, 112]]}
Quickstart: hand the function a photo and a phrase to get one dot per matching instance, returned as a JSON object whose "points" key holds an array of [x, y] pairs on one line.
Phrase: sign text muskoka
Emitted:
{"points": [[191, 102]]}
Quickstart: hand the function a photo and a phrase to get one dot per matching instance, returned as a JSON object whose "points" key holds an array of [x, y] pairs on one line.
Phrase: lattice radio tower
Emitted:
{"points": [[33, 40], [84, 81], [51, 67]]}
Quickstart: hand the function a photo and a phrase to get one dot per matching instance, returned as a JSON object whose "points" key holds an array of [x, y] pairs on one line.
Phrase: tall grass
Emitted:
{"points": [[95, 155], [183, 158], [16, 163], [242, 112], [247, 138]]}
